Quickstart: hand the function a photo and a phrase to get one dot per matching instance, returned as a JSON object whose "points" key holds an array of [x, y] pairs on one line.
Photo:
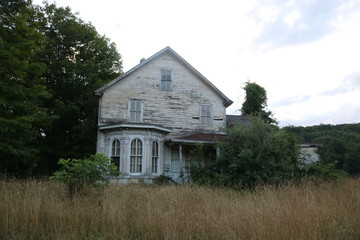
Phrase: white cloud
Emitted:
{"points": [[292, 18], [299, 51]]}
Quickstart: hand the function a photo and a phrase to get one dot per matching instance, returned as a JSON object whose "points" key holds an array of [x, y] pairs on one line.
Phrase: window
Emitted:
{"points": [[136, 156], [166, 80], [205, 115], [155, 157], [175, 159], [115, 153], [135, 111]]}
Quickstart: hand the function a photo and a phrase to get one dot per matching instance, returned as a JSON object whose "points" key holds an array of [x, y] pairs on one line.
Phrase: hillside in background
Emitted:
{"points": [[340, 143]]}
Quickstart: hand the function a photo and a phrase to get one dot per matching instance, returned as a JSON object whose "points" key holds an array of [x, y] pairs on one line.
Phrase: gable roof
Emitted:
{"points": [[226, 101]]}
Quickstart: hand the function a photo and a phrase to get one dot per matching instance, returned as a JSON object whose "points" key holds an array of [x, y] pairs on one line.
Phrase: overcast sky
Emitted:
{"points": [[305, 53]]}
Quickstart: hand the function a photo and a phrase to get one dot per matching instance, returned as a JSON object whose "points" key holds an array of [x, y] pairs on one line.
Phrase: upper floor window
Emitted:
{"points": [[135, 111], [205, 115], [115, 153], [136, 155], [155, 157], [166, 80]]}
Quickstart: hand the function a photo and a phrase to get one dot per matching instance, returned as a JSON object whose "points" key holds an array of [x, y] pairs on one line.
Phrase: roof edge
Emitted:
{"points": [[226, 101]]}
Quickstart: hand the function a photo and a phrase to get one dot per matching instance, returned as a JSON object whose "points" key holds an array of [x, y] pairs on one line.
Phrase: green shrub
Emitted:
{"points": [[163, 179], [323, 172], [79, 174], [254, 153]]}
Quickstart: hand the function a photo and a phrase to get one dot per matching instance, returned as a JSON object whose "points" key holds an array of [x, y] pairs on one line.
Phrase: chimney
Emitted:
{"points": [[142, 60]]}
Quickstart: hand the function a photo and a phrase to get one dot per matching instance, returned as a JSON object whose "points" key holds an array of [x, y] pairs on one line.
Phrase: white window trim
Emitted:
{"points": [[211, 115], [141, 109], [111, 151], [158, 157], [142, 157]]}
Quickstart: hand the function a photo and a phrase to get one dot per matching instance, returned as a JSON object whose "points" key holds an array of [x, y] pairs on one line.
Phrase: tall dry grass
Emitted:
{"points": [[42, 210]]}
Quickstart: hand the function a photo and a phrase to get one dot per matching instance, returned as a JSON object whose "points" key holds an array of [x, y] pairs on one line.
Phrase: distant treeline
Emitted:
{"points": [[339, 143]]}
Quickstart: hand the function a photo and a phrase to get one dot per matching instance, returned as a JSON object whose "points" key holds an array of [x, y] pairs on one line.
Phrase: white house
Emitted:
{"points": [[151, 117], [309, 152]]}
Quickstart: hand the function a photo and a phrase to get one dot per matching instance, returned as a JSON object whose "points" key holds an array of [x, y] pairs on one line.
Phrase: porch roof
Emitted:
{"points": [[204, 138], [134, 126]]}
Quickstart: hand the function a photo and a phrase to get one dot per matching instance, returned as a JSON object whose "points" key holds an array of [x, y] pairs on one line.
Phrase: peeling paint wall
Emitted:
{"points": [[178, 109]]}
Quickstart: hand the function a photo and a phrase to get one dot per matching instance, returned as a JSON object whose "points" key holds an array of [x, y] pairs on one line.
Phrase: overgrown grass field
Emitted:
{"points": [[42, 210]]}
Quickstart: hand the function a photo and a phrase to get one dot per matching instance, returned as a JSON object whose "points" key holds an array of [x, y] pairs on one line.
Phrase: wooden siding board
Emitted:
{"points": [[175, 109]]}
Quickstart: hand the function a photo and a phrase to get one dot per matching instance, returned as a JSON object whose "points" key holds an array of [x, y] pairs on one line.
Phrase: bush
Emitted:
{"points": [[323, 172], [163, 179], [255, 153], [79, 174]]}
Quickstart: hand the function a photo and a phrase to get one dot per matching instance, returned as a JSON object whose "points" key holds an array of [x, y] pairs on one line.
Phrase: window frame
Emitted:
{"points": [[136, 157], [115, 152], [166, 79], [155, 157], [135, 111], [206, 120]]}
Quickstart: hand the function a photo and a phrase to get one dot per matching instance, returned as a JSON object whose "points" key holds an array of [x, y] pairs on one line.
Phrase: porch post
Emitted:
{"points": [[217, 153]]}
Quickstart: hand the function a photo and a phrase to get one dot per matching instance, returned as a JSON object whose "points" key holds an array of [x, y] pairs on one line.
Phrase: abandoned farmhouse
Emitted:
{"points": [[151, 117]]}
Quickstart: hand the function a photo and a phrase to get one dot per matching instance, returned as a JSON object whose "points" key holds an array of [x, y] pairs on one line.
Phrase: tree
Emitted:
{"points": [[352, 160], [256, 102], [79, 61], [21, 87], [50, 64], [254, 153]]}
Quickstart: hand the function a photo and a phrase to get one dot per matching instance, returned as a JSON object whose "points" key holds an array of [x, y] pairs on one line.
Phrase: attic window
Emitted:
{"points": [[205, 115], [166, 80]]}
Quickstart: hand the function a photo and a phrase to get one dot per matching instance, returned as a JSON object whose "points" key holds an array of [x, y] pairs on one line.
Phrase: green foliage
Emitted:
{"points": [[256, 102], [322, 172], [22, 88], [207, 175], [352, 161], [79, 61], [79, 174], [50, 63], [339, 144], [163, 179], [256, 153]]}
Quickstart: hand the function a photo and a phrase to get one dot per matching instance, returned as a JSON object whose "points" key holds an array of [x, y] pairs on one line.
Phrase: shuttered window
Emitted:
{"points": [[166, 84], [135, 111], [205, 115]]}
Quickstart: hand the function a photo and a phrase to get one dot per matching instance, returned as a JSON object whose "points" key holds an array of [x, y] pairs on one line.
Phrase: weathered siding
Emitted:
{"points": [[178, 109]]}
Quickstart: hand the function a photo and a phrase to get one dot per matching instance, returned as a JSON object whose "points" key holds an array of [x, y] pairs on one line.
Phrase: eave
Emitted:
{"points": [[226, 101], [135, 126]]}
